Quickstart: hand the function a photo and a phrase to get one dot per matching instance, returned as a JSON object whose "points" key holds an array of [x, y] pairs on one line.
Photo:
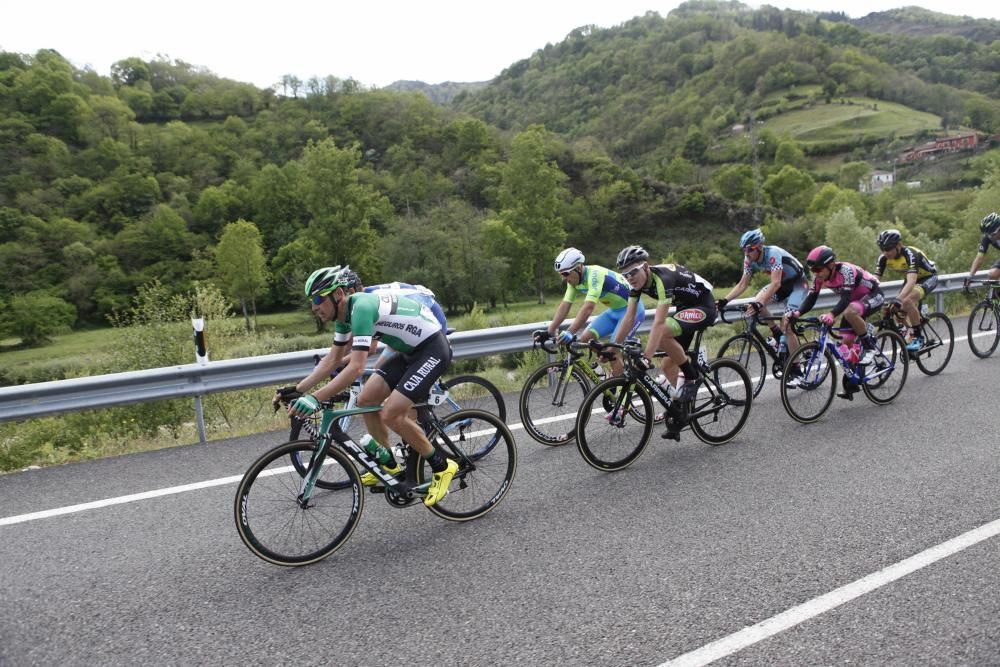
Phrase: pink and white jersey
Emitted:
{"points": [[849, 279]]}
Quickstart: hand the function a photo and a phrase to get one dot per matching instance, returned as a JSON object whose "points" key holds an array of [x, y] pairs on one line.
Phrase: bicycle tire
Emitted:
{"points": [[983, 319], [543, 414], [726, 385], [939, 343], [892, 351], [818, 370], [478, 393], [610, 445], [481, 481], [749, 353], [273, 486]]}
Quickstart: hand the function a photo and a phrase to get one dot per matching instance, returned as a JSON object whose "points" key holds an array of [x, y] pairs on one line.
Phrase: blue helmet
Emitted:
{"points": [[754, 237]]}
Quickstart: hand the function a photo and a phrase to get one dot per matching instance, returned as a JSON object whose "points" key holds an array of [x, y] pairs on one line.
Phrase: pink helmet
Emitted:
{"points": [[820, 256]]}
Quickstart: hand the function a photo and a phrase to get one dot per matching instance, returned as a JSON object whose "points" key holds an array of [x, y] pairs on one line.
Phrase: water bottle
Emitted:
{"points": [[598, 369], [702, 356], [924, 310], [855, 354], [772, 343], [782, 345], [661, 380]]}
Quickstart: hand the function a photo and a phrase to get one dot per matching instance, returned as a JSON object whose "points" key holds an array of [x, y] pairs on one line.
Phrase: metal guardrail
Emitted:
{"points": [[194, 380]]}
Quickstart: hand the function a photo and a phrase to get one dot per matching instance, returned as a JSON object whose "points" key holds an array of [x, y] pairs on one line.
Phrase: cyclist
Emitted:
{"points": [[597, 284], [690, 294], [788, 281], [860, 296], [990, 227], [402, 324], [920, 278]]}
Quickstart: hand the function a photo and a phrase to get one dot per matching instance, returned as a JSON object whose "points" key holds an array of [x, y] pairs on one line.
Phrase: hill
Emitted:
{"points": [[439, 93], [919, 22]]}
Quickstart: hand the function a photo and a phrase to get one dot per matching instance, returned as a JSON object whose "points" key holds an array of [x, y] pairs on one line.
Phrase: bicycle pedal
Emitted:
{"points": [[671, 435]]}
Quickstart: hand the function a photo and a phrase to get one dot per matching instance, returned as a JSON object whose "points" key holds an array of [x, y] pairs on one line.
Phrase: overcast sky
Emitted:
{"points": [[374, 42]]}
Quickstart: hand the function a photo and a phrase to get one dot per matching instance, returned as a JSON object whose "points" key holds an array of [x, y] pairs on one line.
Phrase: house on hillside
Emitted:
{"points": [[877, 180], [932, 149]]}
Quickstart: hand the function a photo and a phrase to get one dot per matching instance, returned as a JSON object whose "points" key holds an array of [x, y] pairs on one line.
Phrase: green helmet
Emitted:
{"points": [[323, 281]]}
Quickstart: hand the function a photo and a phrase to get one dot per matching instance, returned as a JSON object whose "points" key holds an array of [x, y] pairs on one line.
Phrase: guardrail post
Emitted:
{"points": [[201, 356]]}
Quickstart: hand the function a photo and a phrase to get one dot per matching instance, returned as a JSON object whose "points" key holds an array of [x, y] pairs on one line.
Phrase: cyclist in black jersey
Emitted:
{"points": [[920, 278], [671, 285], [990, 227]]}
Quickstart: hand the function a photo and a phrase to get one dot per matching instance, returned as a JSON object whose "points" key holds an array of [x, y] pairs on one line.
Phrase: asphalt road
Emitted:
{"points": [[689, 545]]}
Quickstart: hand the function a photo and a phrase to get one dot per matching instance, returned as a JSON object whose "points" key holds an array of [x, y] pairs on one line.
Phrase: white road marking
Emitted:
{"points": [[748, 636]]}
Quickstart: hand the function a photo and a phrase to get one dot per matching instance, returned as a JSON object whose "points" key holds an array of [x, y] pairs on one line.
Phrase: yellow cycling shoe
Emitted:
{"points": [[440, 481], [369, 478]]}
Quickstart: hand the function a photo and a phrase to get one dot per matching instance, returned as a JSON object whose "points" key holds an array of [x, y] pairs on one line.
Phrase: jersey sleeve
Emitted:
{"points": [[341, 333], [364, 315], [880, 265], [984, 244], [911, 260]]}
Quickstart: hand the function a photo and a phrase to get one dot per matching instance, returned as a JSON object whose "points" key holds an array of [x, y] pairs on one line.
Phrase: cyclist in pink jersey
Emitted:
{"points": [[859, 292]]}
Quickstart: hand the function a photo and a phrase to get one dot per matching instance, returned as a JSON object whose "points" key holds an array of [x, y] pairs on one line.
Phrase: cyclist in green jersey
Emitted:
{"points": [[406, 326], [598, 284]]}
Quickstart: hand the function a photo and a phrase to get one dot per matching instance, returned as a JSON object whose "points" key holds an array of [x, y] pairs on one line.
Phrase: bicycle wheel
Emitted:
{"points": [[984, 332], [472, 391], [612, 440], [886, 375], [272, 522], [354, 425], [722, 405], [549, 401], [749, 353], [481, 482], [808, 395], [939, 342]]}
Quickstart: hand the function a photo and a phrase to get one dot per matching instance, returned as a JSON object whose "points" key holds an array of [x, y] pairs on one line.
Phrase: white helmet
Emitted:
{"points": [[569, 258]]}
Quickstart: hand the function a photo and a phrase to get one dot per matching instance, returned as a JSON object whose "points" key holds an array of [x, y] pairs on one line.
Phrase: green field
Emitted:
{"points": [[860, 119]]}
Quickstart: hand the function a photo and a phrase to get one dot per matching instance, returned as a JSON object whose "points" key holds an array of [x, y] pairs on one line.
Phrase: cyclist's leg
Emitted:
{"points": [[603, 326], [910, 306], [795, 298], [376, 389], [775, 327]]}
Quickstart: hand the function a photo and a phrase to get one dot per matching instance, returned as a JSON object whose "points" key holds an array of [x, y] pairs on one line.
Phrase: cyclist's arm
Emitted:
{"points": [[740, 287], [580, 322], [772, 287], [656, 333], [322, 369], [353, 370], [627, 319], [977, 261], [562, 310]]}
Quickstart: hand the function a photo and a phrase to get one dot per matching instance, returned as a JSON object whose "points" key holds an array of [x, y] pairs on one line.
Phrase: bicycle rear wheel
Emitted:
{"points": [[549, 401], [886, 375], [722, 406], [939, 342], [748, 353], [273, 523], [482, 480], [984, 332], [611, 439], [808, 395]]}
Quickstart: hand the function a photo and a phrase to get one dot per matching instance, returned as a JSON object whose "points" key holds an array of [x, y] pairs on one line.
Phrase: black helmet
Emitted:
{"points": [[888, 239], [990, 224], [820, 256], [633, 254]]}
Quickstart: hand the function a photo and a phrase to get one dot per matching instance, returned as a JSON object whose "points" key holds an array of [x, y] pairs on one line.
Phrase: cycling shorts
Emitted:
{"points": [[927, 285], [414, 373], [608, 322], [686, 322]]}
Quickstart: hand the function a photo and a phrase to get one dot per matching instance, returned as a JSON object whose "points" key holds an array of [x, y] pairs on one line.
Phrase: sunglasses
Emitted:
{"points": [[631, 273], [750, 248], [565, 273], [318, 299]]}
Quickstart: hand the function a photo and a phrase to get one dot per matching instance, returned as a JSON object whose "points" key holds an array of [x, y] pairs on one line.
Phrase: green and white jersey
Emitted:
{"points": [[600, 284], [399, 322]]}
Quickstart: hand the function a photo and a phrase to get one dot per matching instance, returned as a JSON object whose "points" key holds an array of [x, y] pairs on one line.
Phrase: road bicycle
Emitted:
{"points": [[807, 397], [984, 322], [553, 392], [462, 391], [938, 335], [615, 420], [291, 517], [751, 349]]}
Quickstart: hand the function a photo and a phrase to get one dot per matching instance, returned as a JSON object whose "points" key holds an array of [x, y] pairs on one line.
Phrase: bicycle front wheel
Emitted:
{"points": [[722, 406], [886, 375], [472, 391], [749, 354], [549, 402], [277, 526], [984, 332], [484, 473], [808, 383], [614, 424], [939, 342]]}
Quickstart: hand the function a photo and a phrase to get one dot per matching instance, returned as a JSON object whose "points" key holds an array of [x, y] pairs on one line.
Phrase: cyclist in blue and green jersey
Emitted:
{"points": [[406, 326], [598, 285], [670, 285], [990, 227]]}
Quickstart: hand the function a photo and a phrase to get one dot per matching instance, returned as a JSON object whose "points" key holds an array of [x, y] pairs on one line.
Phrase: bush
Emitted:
{"points": [[35, 316]]}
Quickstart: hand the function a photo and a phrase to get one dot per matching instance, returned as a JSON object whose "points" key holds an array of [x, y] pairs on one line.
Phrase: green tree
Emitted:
{"points": [[241, 265], [851, 174], [734, 181], [849, 240], [532, 194], [790, 152], [790, 189], [35, 316]]}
